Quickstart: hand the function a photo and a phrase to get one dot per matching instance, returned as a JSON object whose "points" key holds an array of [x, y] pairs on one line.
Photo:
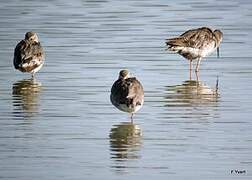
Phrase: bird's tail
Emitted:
{"points": [[175, 44]]}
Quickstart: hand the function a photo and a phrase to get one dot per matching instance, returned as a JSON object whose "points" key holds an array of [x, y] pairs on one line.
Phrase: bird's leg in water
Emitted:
{"points": [[197, 76], [131, 118], [190, 69]]}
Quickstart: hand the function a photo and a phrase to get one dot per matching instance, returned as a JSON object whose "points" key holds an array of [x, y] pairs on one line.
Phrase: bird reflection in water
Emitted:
{"points": [[193, 99], [25, 94], [192, 92], [125, 143]]}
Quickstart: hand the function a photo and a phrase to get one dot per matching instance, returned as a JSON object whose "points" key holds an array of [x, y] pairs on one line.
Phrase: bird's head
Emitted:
{"points": [[219, 35], [31, 36], [124, 74]]}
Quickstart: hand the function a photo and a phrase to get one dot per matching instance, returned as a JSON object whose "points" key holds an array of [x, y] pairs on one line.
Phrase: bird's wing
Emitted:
{"points": [[19, 53], [33, 51], [120, 91], [135, 91], [28, 56], [127, 92], [194, 38]]}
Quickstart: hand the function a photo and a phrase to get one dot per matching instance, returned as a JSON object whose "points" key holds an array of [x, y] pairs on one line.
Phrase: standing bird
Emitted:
{"points": [[29, 54], [127, 93], [196, 44]]}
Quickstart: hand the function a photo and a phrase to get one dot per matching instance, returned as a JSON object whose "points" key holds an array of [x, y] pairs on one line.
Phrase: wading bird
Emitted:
{"points": [[127, 93], [29, 54], [196, 44]]}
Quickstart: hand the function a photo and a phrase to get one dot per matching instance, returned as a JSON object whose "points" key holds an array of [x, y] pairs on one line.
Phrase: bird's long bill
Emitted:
{"points": [[218, 52]]}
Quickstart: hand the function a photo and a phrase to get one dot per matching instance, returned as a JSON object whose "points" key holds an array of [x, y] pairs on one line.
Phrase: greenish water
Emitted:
{"points": [[63, 126]]}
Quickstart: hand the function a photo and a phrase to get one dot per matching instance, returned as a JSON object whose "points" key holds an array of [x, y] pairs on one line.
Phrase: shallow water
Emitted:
{"points": [[62, 125]]}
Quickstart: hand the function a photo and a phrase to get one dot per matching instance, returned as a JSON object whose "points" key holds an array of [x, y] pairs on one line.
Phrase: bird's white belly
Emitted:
{"points": [[31, 64], [200, 52], [37, 68], [206, 52], [193, 51], [125, 108]]}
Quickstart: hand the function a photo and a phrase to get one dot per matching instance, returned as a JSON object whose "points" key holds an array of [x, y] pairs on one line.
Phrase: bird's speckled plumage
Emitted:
{"points": [[195, 43], [29, 54], [127, 93]]}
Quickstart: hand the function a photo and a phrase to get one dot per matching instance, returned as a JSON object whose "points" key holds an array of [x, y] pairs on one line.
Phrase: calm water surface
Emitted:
{"points": [[62, 125]]}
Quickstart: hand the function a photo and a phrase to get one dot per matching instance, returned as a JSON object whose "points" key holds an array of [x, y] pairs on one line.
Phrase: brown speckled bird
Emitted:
{"points": [[127, 93], [196, 44], [29, 55]]}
